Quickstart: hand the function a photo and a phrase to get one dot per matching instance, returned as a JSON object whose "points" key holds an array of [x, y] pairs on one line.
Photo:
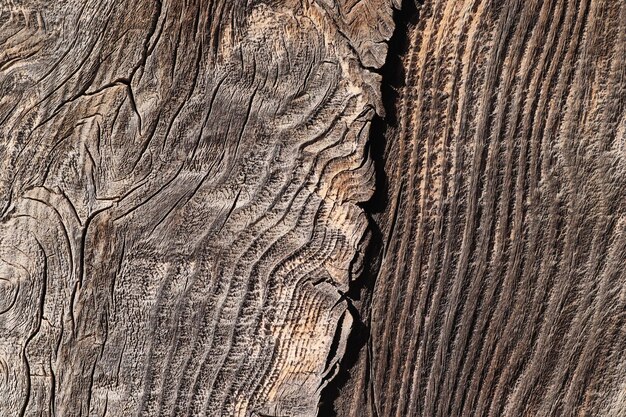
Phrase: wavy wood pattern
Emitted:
{"points": [[179, 184]]}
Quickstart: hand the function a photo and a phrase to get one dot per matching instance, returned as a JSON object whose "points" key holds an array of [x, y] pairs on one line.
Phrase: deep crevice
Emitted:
{"points": [[361, 290]]}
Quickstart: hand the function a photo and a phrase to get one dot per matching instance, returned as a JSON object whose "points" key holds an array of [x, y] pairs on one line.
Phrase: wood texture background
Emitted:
{"points": [[184, 218]]}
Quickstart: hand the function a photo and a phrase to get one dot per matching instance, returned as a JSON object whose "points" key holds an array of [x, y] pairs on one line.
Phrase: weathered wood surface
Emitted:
{"points": [[182, 227], [502, 288], [178, 194]]}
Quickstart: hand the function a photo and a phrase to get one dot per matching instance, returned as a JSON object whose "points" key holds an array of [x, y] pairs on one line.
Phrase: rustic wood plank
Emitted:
{"points": [[501, 289], [179, 189]]}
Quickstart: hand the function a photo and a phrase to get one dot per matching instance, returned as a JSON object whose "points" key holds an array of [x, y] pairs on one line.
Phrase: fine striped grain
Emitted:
{"points": [[501, 289]]}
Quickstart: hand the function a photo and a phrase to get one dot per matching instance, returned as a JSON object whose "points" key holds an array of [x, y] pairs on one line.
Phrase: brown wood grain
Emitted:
{"points": [[501, 289]]}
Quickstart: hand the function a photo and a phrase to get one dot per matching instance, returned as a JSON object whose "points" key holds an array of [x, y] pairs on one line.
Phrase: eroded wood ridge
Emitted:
{"points": [[178, 189], [502, 290]]}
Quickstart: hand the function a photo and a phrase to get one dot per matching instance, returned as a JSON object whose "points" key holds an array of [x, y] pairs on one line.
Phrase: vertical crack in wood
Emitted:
{"points": [[349, 393]]}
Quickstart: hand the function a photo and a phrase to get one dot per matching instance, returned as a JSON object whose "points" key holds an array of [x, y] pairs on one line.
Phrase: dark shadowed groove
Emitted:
{"points": [[361, 289]]}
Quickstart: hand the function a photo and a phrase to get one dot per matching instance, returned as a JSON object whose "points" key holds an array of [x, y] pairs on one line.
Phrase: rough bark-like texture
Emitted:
{"points": [[502, 289], [178, 194], [183, 216]]}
